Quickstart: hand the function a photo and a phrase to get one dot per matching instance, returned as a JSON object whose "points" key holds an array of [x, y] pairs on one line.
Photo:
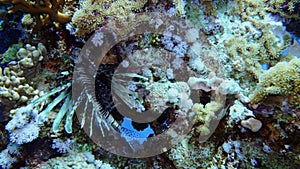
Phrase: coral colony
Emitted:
{"points": [[149, 84]]}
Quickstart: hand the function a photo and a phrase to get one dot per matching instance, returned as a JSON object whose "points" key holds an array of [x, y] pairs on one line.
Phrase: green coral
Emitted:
{"points": [[11, 52], [267, 158], [281, 80]]}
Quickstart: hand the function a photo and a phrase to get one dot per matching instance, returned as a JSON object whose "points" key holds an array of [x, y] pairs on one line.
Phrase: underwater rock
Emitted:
{"points": [[253, 124]]}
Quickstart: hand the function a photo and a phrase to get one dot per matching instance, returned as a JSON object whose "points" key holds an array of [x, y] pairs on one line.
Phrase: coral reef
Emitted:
{"points": [[251, 38], [92, 14], [287, 9], [77, 161], [281, 80], [14, 85], [227, 72], [45, 12]]}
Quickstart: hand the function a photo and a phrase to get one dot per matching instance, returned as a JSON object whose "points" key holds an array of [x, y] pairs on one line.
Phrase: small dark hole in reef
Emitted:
{"points": [[205, 97]]}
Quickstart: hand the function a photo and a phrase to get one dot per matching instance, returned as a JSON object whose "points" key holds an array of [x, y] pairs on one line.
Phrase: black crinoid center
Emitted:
{"points": [[113, 89]]}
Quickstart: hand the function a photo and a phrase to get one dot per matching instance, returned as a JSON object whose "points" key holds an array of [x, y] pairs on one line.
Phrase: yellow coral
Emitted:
{"points": [[14, 85], [204, 115], [284, 8], [281, 80], [179, 6], [45, 11], [255, 39], [92, 13], [210, 7]]}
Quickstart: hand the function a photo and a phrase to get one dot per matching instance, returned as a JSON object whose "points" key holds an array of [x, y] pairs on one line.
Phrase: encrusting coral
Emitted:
{"points": [[45, 12], [281, 80]]}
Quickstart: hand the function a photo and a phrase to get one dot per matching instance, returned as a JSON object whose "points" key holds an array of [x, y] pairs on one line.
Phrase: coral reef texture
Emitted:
{"points": [[175, 84]]}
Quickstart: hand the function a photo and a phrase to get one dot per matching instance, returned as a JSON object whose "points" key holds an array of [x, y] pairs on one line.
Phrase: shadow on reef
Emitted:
{"points": [[10, 29], [294, 27]]}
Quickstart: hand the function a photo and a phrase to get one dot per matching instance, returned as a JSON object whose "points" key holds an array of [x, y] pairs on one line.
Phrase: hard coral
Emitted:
{"points": [[44, 11], [14, 84], [286, 9], [93, 13], [281, 80]]}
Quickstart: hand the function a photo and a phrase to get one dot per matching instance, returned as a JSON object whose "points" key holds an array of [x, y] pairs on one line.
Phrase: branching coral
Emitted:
{"points": [[252, 37], [287, 9], [45, 11], [257, 27]]}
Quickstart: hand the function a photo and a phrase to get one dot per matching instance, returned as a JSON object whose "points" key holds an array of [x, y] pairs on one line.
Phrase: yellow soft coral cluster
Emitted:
{"points": [[284, 8], [252, 38], [281, 80], [269, 49], [204, 115], [92, 13]]}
